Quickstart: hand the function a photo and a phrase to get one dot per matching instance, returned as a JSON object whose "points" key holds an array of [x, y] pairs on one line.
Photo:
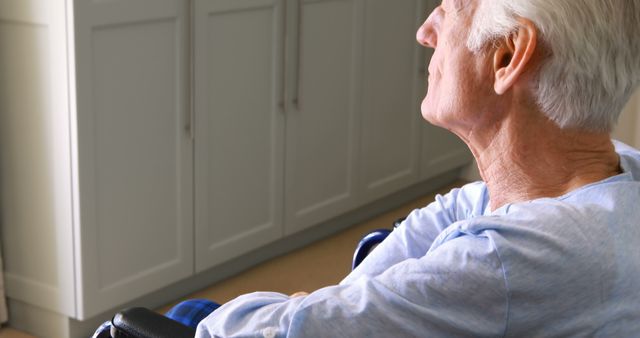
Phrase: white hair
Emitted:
{"points": [[593, 64]]}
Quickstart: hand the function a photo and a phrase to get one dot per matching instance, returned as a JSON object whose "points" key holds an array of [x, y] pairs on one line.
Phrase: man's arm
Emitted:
{"points": [[457, 289], [415, 236]]}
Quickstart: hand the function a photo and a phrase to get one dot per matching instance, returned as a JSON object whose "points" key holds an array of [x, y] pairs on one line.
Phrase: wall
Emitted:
{"points": [[628, 128]]}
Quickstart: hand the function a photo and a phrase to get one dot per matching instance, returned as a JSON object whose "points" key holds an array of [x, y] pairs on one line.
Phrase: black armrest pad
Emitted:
{"points": [[143, 323]]}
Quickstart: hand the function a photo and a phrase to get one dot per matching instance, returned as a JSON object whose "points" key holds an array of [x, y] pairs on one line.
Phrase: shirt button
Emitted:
{"points": [[269, 332]]}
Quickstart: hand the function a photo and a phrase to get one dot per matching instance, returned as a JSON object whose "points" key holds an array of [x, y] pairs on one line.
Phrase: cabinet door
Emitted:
{"points": [[441, 151], [323, 49], [134, 215], [391, 119], [239, 47]]}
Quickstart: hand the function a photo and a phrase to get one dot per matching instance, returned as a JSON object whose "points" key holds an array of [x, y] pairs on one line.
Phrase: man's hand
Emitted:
{"points": [[299, 294]]}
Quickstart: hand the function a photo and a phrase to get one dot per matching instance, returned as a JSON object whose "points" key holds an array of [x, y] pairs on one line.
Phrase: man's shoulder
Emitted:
{"points": [[562, 227], [569, 254], [593, 208]]}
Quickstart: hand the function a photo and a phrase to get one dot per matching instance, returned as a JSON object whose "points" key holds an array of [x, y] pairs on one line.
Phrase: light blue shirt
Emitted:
{"points": [[551, 267]]}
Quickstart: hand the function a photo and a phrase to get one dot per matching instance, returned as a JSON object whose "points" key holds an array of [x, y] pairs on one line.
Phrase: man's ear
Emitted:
{"points": [[513, 54]]}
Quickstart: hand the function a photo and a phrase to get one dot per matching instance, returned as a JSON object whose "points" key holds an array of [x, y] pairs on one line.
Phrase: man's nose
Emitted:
{"points": [[427, 34]]}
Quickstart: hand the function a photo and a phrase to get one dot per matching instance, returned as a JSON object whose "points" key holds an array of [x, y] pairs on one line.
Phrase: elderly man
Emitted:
{"points": [[549, 243]]}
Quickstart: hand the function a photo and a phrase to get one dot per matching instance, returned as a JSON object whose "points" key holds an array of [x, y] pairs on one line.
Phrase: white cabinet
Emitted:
{"points": [[276, 130], [299, 121], [145, 142]]}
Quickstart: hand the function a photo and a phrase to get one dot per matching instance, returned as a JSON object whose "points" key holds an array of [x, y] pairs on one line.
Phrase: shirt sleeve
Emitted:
{"points": [[414, 237], [457, 289]]}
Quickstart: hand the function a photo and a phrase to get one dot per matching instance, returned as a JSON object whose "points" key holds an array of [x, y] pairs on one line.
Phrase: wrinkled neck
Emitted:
{"points": [[524, 161]]}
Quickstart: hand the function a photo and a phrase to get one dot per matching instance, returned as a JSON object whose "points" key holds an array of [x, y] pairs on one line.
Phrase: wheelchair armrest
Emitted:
{"points": [[370, 240], [366, 244], [143, 323]]}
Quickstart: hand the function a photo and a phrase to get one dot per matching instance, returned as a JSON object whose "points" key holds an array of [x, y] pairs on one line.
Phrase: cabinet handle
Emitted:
{"points": [[190, 22], [280, 90], [295, 23], [423, 10]]}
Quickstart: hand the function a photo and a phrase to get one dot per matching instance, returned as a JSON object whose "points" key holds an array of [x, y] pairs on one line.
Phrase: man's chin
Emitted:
{"points": [[430, 116], [438, 120]]}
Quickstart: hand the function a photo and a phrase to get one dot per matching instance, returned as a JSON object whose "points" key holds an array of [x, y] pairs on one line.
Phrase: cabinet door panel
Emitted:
{"points": [[321, 127], [441, 151], [239, 130], [134, 157], [391, 119]]}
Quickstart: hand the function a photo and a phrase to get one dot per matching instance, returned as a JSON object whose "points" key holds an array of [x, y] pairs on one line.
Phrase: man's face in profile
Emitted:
{"points": [[456, 75]]}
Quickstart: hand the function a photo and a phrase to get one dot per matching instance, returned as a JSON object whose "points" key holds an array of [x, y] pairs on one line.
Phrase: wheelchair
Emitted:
{"points": [[141, 322]]}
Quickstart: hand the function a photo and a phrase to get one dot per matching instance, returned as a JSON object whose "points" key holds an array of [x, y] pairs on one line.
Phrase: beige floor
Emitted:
{"points": [[323, 263]]}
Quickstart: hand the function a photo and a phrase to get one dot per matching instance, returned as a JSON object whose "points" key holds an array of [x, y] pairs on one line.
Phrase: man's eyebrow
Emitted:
{"points": [[459, 5]]}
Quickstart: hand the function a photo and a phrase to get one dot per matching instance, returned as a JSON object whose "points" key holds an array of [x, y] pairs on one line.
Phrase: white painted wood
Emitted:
{"points": [[441, 152], [239, 127], [134, 156], [34, 155], [391, 120], [322, 133]]}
